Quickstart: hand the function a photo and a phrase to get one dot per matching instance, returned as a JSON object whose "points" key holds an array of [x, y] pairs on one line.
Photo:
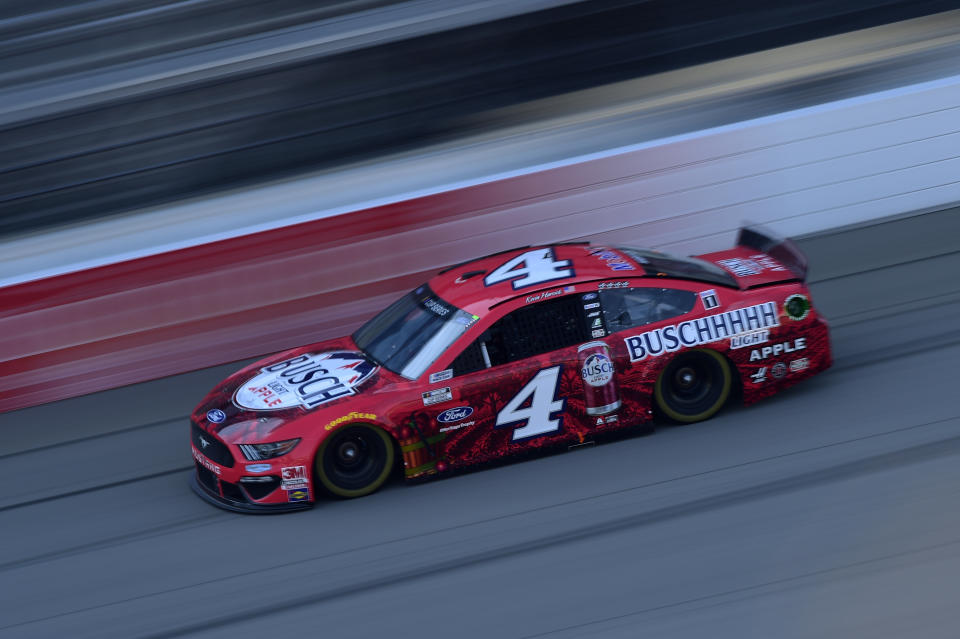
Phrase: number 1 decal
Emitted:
{"points": [[541, 392], [532, 267]]}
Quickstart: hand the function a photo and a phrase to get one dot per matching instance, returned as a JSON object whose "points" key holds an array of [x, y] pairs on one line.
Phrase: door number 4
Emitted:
{"points": [[537, 418]]}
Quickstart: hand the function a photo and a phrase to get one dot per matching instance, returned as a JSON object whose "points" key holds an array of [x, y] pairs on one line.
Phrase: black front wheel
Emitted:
{"points": [[693, 386], [355, 460]]}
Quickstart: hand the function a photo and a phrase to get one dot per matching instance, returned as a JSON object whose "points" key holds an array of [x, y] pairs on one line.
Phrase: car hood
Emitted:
{"points": [[259, 399]]}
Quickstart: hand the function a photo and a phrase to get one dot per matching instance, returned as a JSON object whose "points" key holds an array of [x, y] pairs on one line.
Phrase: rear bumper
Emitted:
{"points": [[242, 506]]}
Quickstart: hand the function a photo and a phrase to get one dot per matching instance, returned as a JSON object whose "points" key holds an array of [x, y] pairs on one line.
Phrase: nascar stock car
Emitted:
{"points": [[523, 351]]}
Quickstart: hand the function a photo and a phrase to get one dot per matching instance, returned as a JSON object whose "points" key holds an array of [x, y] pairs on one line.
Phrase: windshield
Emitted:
{"points": [[686, 268], [412, 332]]}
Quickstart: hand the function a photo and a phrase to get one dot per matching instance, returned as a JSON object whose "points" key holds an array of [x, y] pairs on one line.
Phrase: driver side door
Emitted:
{"points": [[520, 381]]}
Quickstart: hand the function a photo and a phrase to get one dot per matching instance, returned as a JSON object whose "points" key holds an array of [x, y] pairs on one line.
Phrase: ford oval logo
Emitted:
{"points": [[454, 414]]}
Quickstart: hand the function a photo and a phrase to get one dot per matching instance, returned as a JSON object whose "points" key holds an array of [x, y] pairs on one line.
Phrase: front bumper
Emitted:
{"points": [[241, 505], [219, 480]]}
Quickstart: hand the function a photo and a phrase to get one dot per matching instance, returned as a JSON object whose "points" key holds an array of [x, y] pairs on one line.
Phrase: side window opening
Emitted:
{"points": [[470, 360], [626, 308], [528, 331]]}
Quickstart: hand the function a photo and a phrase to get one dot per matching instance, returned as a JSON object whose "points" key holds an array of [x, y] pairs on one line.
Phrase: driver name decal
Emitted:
{"points": [[307, 380]]}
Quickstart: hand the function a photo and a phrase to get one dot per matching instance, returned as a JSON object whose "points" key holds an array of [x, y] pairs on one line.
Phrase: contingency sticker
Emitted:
{"points": [[293, 477], [299, 494], [441, 376], [437, 396]]}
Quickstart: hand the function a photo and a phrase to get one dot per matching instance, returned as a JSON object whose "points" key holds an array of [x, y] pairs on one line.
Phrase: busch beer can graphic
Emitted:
{"points": [[599, 385]]}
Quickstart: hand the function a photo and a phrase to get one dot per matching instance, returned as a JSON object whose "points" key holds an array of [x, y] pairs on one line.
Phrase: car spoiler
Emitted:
{"points": [[783, 250]]}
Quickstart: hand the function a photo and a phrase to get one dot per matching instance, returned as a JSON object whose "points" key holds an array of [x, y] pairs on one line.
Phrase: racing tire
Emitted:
{"points": [[355, 460], [693, 386]]}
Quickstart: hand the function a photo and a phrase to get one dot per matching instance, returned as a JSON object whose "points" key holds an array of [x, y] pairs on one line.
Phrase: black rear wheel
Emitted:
{"points": [[693, 386], [355, 460]]}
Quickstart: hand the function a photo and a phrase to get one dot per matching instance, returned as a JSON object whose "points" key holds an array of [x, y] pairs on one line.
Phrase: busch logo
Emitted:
{"points": [[597, 369], [707, 329], [306, 380]]}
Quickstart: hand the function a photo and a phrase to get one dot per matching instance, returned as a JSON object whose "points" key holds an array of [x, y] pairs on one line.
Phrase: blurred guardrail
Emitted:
{"points": [[108, 106], [822, 167]]}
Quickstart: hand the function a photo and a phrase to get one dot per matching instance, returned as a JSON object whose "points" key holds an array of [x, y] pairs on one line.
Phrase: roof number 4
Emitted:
{"points": [[532, 267]]}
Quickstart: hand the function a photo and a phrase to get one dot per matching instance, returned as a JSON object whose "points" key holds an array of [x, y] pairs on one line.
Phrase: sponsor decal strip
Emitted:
{"points": [[702, 331]]}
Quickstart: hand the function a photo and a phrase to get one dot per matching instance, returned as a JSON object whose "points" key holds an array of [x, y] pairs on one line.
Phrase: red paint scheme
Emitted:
{"points": [[396, 405]]}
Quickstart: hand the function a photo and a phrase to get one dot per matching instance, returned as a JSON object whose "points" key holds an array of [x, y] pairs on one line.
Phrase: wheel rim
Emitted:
{"points": [[693, 386], [355, 461]]}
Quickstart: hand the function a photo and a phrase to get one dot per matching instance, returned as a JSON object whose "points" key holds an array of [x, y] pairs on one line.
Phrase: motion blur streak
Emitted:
{"points": [[178, 311], [819, 513], [350, 83], [826, 511]]}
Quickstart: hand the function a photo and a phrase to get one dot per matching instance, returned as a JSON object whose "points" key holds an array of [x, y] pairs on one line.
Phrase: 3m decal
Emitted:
{"points": [[532, 411], [532, 267], [307, 380], [702, 331], [437, 396], [797, 307], [348, 418], [441, 376], [293, 477], [798, 344], [709, 299], [216, 416], [750, 339], [455, 414]]}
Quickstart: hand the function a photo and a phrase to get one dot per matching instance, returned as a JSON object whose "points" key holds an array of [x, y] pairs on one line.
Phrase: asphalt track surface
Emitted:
{"points": [[830, 510]]}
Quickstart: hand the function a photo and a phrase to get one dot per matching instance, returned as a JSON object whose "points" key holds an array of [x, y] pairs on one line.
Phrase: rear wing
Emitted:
{"points": [[781, 249]]}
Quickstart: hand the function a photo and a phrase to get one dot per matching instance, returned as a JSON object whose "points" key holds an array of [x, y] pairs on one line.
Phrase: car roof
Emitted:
{"points": [[463, 285]]}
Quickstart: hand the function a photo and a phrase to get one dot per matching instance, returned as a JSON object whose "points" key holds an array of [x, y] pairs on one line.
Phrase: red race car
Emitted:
{"points": [[524, 351]]}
